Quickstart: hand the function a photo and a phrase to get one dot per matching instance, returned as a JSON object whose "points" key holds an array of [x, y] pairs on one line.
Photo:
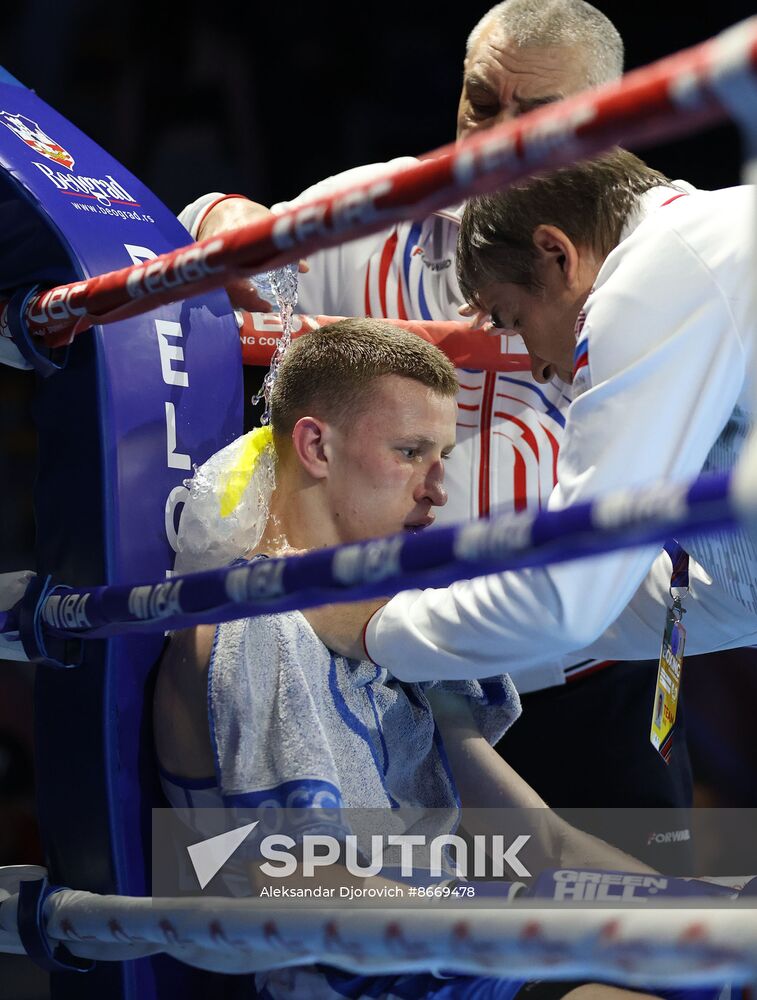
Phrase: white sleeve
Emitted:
{"points": [[666, 365], [346, 179], [191, 214], [326, 288], [712, 619]]}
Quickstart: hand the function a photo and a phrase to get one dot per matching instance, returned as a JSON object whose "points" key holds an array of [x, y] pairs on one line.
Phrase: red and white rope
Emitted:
{"points": [[464, 346], [679, 94]]}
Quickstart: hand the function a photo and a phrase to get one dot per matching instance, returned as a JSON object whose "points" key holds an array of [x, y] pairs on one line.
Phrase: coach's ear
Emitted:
{"points": [[309, 443], [559, 257]]}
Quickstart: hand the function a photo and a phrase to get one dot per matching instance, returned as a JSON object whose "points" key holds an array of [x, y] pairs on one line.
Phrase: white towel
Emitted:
{"points": [[296, 725]]}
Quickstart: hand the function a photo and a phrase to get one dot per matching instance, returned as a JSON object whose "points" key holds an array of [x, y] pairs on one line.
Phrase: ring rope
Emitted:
{"points": [[384, 566], [693, 88], [465, 346], [672, 945]]}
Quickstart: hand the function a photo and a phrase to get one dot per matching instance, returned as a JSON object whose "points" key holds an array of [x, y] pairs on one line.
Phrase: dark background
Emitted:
{"points": [[265, 100]]}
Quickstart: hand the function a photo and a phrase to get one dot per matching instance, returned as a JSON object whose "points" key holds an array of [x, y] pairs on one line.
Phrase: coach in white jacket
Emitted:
{"points": [[640, 291]]}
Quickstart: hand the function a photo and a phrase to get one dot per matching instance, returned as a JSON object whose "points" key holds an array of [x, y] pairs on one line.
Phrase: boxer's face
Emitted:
{"points": [[387, 465], [502, 81]]}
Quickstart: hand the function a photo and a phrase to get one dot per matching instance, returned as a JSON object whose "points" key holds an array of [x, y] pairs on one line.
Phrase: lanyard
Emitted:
{"points": [[671, 656], [679, 577]]}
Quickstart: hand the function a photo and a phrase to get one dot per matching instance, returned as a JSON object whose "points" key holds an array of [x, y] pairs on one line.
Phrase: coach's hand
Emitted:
{"points": [[341, 626], [233, 213]]}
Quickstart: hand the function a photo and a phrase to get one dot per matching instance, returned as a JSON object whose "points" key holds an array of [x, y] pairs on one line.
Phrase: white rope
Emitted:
{"points": [[675, 945]]}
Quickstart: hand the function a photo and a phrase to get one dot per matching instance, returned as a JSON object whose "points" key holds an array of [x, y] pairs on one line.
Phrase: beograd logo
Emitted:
{"points": [[104, 190], [32, 134]]}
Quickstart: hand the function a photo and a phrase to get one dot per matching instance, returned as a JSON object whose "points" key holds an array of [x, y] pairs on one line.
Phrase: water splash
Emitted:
{"points": [[281, 285]]}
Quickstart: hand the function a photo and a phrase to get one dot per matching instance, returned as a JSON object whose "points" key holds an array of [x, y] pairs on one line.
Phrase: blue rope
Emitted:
{"points": [[385, 566]]}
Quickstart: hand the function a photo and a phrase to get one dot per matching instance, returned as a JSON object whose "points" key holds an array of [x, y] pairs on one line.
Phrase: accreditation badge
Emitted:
{"points": [[668, 682]]}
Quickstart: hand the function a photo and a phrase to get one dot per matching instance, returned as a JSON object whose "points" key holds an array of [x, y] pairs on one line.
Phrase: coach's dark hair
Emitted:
{"points": [[590, 201], [328, 373]]}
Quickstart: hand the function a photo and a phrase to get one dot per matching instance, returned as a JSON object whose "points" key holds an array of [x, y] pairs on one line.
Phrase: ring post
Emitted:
{"points": [[119, 428]]}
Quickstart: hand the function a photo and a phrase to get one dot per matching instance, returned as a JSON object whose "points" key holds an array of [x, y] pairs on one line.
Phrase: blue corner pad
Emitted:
{"points": [[32, 348], [53, 956]]}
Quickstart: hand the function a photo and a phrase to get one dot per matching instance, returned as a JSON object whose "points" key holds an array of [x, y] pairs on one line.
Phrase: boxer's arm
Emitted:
{"points": [[340, 626], [487, 784], [180, 708]]}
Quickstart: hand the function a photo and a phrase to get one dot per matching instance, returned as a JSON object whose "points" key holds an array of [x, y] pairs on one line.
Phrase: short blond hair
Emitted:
{"points": [[328, 373]]}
